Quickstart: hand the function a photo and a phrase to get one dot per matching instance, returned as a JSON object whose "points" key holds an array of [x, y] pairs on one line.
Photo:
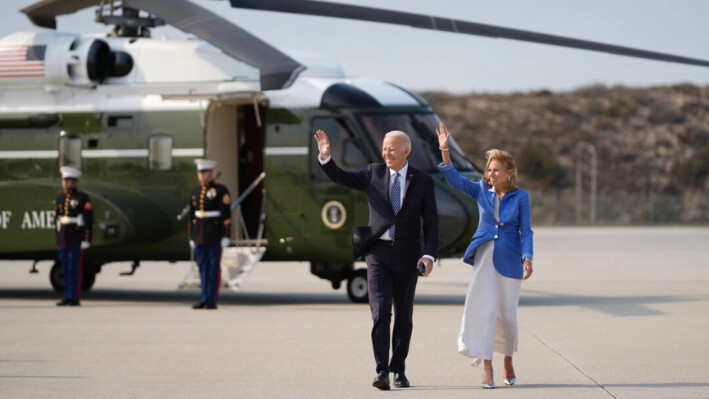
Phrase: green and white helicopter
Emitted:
{"points": [[133, 111]]}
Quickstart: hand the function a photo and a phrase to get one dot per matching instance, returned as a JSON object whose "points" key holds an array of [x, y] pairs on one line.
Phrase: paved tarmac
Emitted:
{"points": [[609, 313]]}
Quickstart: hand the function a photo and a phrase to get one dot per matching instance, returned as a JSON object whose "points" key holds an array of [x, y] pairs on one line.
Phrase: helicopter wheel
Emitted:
{"points": [[56, 277], [88, 278], [357, 286]]}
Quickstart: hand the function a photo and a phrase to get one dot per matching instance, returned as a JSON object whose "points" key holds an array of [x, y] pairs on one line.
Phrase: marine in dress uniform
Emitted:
{"points": [[74, 220], [209, 225]]}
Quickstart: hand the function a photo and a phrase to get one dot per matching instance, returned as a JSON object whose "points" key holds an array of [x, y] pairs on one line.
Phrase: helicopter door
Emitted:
{"points": [[235, 140]]}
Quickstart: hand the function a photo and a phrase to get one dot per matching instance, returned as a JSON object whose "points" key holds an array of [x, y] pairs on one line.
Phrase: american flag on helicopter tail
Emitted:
{"points": [[19, 61]]}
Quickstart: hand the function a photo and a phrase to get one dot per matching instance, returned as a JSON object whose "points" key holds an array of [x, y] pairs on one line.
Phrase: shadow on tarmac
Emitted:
{"points": [[561, 386], [179, 297], [225, 298], [640, 385], [622, 306]]}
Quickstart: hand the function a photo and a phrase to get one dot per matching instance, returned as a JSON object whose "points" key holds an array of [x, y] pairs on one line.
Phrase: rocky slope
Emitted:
{"points": [[652, 148]]}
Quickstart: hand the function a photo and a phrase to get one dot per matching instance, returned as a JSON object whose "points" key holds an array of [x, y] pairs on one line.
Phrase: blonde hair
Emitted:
{"points": [[507, 161]]}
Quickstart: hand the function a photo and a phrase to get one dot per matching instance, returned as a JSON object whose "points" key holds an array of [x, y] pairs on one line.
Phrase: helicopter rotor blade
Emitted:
{"points": [[276, 68], [336, 10], [44, 13]]}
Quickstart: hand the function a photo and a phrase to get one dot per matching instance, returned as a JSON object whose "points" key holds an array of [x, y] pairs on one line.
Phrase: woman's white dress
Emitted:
{"points": [[490, 312]]}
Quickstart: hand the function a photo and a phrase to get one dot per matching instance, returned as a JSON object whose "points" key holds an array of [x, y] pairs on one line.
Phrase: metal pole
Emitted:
{"points": [[594, 181], [578, 185], [594, 172], [652, 207]]}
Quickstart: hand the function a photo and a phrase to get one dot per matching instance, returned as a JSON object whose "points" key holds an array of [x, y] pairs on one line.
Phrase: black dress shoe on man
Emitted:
{"points": [[382, 381], [63, 302], [211, 306], [74, 302], [199, 305], [401, 381]]}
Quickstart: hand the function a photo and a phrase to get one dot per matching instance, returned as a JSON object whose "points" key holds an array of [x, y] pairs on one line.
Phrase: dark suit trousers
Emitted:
{"points": [[390, 283]]}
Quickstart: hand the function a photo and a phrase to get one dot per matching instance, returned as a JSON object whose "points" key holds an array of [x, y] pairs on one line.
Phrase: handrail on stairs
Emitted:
{"points": [[239, 224], [249, 189]]}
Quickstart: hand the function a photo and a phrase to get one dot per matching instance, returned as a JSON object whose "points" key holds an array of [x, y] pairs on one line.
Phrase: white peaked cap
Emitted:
{"points": [[69, 172], [205, 164]]}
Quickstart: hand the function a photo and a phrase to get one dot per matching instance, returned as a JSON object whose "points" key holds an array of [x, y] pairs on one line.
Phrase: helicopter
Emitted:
{"points": [[132, 111]]}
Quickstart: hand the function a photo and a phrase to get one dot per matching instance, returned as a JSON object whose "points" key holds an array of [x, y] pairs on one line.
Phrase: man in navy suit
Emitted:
{"points": [[399, 197]]}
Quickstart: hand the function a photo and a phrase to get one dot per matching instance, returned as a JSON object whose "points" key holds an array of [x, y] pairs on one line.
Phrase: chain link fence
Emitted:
{"points": [[563, 208]]}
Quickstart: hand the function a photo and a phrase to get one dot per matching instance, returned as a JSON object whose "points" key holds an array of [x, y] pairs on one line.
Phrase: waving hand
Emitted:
{"points": [[443, 138]]}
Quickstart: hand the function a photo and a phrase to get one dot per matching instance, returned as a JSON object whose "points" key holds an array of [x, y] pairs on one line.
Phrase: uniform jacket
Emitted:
{"points": [[75, 208], [213, 199], [419, 203], [512, 235]]}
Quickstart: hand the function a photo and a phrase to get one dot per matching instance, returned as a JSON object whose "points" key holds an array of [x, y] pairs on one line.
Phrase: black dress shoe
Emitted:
{"points": [[63, 302], [199, 305], [211, 306], [382, 381], [74, 302], [401, 381]]}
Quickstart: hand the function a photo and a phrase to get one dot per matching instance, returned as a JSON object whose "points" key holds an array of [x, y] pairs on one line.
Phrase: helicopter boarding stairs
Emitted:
{"points": [[239, 260]]}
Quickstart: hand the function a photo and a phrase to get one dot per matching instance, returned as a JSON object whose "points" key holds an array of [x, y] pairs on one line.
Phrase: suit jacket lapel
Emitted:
{"points": [[489, 195], [408, 182], [387, 179], [409, 178]]}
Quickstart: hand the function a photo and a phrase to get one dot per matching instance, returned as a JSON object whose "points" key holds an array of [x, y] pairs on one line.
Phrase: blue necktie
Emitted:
{"points": [[395, 198]]}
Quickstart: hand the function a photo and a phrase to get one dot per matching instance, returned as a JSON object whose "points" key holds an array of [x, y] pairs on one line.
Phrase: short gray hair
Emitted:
{"points": [[402, 135]]}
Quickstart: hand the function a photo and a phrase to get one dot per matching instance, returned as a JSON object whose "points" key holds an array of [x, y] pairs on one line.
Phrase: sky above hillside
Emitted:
{"points": [[427, 60]]}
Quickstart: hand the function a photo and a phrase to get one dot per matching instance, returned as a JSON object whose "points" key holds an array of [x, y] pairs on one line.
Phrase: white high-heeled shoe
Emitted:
{"points": [[489, 386], [510, 381]]}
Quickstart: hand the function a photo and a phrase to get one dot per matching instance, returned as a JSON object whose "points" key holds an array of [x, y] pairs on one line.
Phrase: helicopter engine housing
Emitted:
{"points": [[30, 60]]}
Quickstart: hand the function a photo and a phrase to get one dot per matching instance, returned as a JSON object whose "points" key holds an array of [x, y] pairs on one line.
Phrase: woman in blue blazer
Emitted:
{"points": [[501, 255]]}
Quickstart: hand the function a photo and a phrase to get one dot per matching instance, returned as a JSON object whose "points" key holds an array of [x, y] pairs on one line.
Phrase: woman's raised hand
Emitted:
{"points": [[443, 136]]}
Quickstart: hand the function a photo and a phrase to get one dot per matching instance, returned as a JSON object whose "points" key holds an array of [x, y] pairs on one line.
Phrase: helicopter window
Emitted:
{"points": [[345, 150], [430, 123], [351, 155], [160, 152], [70, 151], [120, 121], [421, 156]]}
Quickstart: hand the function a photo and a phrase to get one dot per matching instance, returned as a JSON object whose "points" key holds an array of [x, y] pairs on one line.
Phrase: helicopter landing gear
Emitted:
{"points": [[88, 278], [337, 272], [357, 288]]}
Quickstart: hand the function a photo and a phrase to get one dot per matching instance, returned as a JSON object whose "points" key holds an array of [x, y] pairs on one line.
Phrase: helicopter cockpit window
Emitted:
{"points": [[344, 148], [421, 156], [430, 123], [351, 154], [160, 152], [70, 151]]}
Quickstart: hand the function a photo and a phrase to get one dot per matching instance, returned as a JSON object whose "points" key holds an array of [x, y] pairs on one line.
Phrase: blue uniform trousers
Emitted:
{"points": [[71, 261], [208, 257]]}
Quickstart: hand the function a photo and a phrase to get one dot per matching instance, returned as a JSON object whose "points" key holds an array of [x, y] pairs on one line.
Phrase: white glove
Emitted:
{"points": [[192, 244], [225, 242], [85, 245]]}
